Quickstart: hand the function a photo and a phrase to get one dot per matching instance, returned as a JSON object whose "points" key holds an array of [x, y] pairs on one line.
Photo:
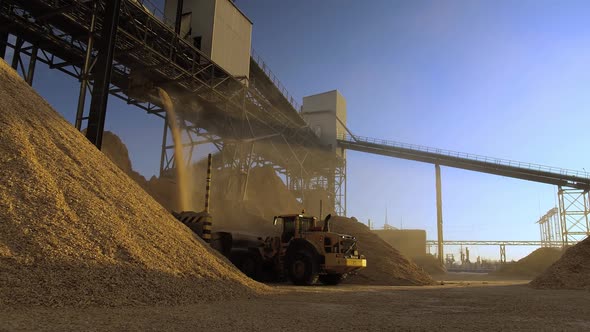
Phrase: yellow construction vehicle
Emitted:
{"points": [[304, 253], [309, 252]]}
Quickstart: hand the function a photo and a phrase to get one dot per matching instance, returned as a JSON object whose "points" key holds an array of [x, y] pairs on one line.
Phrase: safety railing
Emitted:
{"points": [[275, 80], [470, 156], [155, 10]]}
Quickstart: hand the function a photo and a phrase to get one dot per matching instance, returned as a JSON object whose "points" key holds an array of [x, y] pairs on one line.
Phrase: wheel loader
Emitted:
{"points": [[304, 253]]}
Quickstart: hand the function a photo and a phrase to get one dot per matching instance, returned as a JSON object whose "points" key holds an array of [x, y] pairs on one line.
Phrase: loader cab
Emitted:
{"points": [[295, 225]]}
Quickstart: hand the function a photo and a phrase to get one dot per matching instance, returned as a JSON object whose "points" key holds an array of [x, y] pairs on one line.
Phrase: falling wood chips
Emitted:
{"points": [[75, 230]]}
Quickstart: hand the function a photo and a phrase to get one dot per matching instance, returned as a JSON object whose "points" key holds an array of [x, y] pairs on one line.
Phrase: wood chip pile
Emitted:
{"points": [[532, 265], [75, 230], [430, 264], [385, 264], [571, 271]]}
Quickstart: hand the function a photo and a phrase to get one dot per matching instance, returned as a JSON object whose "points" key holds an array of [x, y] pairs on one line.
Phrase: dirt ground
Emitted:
{"points": [[456, 305]]}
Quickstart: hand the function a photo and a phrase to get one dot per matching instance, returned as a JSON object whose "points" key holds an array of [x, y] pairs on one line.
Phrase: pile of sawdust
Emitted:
{"points": [[532, 265], [430, 264], [571, 271], [75, 230], [385, 264]]}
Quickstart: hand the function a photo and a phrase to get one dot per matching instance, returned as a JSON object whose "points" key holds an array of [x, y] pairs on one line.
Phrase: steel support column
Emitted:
{"points": [[439, 218], [550, 228], [178, 21], [85, 74], [32, 62], [502, 253], [3, 43], [16, 54], [340, 185], [102, 73]]}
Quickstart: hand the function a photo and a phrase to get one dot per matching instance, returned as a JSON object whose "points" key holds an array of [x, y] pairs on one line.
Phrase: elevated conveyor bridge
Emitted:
{"points": [[509, 168], [573, 186]]}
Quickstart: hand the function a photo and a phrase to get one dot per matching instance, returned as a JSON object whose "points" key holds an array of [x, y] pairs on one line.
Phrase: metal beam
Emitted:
{"points": [[513, 169], [102, 73], [490, 243], [3, 43], [16, 54], [439, 217], [178, 21], [32, 63], [85, 74], [52, 13]]}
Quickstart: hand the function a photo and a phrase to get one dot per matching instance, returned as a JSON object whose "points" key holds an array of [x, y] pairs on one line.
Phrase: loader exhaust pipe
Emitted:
{"points": [[327, 223]]}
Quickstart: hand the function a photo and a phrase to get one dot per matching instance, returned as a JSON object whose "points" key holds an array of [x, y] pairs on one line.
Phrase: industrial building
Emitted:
{"points": [[201, 50]]}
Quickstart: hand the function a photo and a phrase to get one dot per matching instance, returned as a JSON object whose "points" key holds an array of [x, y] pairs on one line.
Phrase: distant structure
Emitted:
{"points": [[386, 225], [550, 229], [410, 242]]}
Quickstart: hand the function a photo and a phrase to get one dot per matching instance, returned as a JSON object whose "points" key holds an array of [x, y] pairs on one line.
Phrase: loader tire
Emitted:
{"points": [[331, 279], [302, 268], [249, 264]]}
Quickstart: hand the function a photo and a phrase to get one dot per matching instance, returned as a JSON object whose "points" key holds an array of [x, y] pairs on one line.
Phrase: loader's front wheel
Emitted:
{"points": [[303, 268]]}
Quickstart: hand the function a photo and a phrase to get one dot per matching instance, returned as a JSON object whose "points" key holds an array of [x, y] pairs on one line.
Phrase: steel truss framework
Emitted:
{"points": [[501, 244], [216, 107], [550, 229], [243, 155], [574, 209]]}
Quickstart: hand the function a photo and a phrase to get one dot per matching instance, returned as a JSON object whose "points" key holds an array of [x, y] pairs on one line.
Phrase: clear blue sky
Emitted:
{"points": [[506, 79]]}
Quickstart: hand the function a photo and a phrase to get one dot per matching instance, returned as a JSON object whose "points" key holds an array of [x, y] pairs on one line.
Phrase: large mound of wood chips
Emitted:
{"points": [[571, 271], [75, 230]]}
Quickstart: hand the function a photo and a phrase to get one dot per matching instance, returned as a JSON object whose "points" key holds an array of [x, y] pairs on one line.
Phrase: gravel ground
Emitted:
{"points": [[456, 305]]}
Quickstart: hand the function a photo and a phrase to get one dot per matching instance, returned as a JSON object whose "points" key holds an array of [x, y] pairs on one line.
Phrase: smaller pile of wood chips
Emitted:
{"points": [[532, 265], [385, 264]]}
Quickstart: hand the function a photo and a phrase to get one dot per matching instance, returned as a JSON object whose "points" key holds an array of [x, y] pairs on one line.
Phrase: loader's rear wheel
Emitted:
{"points": [[302, 268], [331, 279]]}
